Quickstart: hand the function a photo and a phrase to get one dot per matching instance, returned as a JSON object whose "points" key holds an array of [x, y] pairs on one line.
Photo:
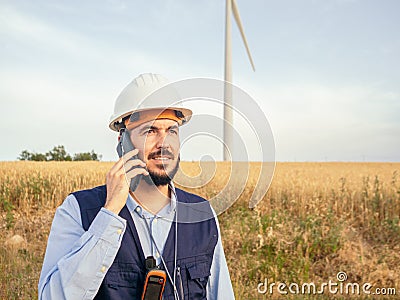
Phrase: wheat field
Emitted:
{"points": [[316, 220]]}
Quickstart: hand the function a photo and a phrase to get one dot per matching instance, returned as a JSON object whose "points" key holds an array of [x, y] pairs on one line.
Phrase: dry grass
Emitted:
{"points": [[317, 219]]}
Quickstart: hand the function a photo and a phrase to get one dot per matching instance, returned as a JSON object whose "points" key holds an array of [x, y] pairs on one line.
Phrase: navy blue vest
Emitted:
{"points": [[196, 244]]}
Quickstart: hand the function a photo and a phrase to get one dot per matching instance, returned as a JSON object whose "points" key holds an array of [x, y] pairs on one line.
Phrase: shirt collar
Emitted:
{"points": [[166, 211]]}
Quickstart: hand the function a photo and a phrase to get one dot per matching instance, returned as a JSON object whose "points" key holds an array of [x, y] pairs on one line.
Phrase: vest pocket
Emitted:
{"points": [[117, 279], [198, 278]]}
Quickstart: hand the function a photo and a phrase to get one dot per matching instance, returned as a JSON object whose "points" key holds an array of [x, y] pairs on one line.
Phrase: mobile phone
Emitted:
{"points": [[124, 146], [154, 285]]}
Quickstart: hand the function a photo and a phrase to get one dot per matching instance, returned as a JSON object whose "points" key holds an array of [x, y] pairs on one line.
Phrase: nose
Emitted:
{"points": [[163, 141]]}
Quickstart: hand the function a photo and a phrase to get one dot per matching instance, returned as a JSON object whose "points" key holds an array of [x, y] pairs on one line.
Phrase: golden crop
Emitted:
{"points": [[317, 219]]}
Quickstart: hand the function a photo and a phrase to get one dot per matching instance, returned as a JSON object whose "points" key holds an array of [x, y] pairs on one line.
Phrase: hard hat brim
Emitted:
{"points": [[115, 120]]}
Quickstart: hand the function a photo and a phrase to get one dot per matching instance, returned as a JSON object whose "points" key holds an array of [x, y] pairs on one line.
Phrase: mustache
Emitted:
{"points": [[165, 153]]}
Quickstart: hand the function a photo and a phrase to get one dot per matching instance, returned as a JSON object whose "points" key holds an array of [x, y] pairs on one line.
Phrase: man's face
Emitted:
{"points": [[159, 145]]}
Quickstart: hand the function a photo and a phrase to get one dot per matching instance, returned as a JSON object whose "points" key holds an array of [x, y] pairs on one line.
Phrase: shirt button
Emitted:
{"points": [[103, 269], [138, 209], [157, 254], [119, 231], [155, 220]]}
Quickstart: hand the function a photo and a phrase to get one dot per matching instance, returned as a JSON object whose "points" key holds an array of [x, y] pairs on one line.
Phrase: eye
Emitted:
{"points": [[148, 131], [173, 131]]}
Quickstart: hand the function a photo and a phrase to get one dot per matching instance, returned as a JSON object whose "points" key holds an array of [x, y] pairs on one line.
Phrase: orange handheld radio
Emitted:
{"points": [[155, 281]]}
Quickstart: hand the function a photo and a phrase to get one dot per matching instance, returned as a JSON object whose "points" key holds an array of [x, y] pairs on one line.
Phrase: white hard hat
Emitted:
{"points": [[147, 92]]}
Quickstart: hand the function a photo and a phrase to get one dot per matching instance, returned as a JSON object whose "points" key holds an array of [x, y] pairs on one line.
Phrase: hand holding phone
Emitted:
{"points": [[124, 146], [125, 168]]}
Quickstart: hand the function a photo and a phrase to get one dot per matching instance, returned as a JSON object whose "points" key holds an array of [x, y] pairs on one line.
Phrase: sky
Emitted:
{"points": [[327, 72]]}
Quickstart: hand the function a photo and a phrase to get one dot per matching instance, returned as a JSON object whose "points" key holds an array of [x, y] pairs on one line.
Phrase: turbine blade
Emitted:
{"points": [[236, 15]]}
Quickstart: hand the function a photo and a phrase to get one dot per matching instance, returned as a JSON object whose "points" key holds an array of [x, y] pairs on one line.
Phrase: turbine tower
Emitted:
{"points": [[231, 6]]}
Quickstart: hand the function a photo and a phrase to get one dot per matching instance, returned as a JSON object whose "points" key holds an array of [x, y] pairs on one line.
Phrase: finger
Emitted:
{"points": [[128, 167], [118, 165], [134, 163], [115, 175], [135, 172], [127, 156]]}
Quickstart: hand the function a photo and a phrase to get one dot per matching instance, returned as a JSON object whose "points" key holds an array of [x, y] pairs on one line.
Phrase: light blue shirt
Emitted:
{"points": [[76, 260]]}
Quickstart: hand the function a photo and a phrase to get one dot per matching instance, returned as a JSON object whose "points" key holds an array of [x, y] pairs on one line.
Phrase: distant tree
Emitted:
{"points": [[95, 156], [38, 157], [58, 154], [25, 155], [82, 156], [87, 156]]}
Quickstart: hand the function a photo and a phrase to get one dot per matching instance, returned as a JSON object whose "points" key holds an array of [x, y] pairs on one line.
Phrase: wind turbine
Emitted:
{"points": [[231, 6]]}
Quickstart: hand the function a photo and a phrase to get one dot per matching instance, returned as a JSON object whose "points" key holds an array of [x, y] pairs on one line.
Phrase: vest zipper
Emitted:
{"points": [[178, 269]]}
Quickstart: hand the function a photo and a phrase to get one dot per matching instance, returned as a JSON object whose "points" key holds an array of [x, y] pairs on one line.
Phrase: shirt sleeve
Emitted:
{"points": [[76, 260], [219, 284]]}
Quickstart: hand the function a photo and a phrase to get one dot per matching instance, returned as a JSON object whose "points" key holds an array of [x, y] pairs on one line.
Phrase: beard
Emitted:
{"points": [[157, 179]]}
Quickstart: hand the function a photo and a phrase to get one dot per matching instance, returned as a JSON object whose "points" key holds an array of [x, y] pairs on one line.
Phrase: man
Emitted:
{"points": [[104, 241]]}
